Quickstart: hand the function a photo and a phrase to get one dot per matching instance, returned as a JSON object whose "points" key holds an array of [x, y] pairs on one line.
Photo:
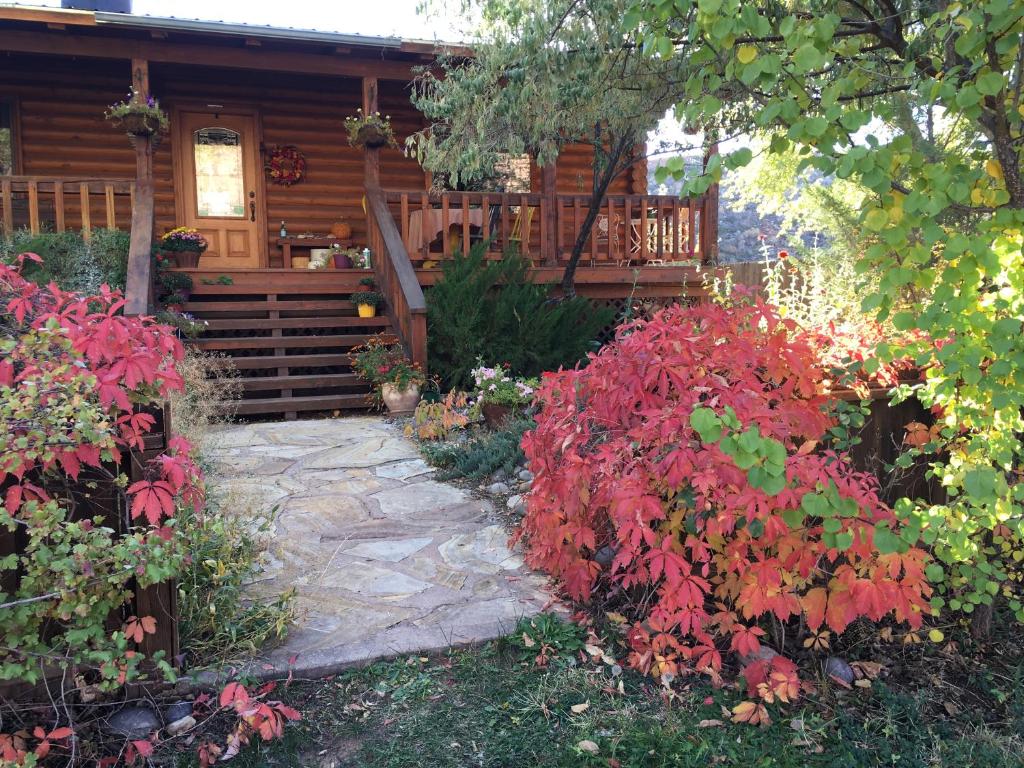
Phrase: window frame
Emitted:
{"points": [[11, 102]]}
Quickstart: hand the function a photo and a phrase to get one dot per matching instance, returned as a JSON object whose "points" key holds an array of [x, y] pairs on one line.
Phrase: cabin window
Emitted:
{"points": [[8, 150], [219, 177]]}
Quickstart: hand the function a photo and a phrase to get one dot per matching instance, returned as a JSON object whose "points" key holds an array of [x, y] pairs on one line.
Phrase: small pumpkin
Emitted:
{"points": [[341, 230]]}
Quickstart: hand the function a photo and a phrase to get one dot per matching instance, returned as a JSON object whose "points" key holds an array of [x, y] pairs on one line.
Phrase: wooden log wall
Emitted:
{"points": [[63, 133], [309, 112]]}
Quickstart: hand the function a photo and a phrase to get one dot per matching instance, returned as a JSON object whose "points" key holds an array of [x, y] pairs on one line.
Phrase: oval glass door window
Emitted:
{"points": [[220, 181]]}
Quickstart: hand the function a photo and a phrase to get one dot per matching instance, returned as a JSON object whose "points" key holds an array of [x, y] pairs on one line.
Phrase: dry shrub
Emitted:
{"points": [[212, 389]]}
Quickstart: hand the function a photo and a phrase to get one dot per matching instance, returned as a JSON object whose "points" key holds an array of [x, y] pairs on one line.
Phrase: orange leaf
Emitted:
{"points": [[752, 713]]}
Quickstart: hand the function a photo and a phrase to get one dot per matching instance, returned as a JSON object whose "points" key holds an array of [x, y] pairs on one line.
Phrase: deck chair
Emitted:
{"points": [[520, 234], [607, 233]]}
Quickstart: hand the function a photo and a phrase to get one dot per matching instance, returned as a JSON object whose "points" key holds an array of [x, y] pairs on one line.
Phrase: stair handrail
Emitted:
{"points": [[405, 304]]}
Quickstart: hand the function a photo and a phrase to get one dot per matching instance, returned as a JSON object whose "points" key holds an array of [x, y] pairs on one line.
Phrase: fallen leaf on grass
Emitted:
{"points": [[578, 709], [709, 723], [586, 745], [869, 670]]}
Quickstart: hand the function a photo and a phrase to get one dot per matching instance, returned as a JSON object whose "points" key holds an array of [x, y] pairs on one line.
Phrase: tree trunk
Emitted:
{"points": [[601, 184]]}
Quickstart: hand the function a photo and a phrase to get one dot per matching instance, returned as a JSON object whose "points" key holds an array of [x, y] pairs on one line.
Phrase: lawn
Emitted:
{"points": [[495, 706]]}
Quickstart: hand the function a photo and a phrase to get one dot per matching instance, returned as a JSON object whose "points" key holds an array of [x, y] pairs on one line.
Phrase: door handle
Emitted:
{"points": [[252, 210]]}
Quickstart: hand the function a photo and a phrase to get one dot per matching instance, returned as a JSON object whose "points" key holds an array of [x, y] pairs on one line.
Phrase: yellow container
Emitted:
{"points": [[300, 262], [367, 310]]}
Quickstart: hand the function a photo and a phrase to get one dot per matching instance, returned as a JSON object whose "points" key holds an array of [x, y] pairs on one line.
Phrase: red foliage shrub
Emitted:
{"points": [[75, 375], [678, 468]]}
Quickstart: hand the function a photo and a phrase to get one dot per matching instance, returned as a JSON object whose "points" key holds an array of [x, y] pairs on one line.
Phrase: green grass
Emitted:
{"points": [[492, 707]]}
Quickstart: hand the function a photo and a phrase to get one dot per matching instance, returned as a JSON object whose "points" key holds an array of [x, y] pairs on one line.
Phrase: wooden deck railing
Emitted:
{"points": [[630, 230], [397, 281], [39, 203]]}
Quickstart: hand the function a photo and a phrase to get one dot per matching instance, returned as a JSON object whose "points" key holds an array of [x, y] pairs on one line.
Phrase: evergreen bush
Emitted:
{"points": [[492, 311], [69, 260]]}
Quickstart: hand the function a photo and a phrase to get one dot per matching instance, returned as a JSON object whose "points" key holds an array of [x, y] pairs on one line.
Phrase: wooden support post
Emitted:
{"points": [[709, 216], [372, 172], [139, 284], [549, 188]]}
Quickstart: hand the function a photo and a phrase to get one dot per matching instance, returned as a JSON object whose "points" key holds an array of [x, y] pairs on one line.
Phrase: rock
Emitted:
{"points": [[499, 476], [180, 726], [604, 556], [764, 653], [133, 722], [498, 489], [516, 503], [839, 669], [177, 710], [525, 475]]}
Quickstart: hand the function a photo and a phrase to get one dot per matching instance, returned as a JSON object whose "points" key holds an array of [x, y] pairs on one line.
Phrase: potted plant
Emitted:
{"points": [[177, 283], [499, 394], [175, 302], [368, 301], [342, 257], [186, 244], [187, 325], [370, 130], [396, 379], [138, 115]]}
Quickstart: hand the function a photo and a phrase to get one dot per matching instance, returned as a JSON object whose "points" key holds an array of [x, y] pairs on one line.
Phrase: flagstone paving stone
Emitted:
{"points": [[383, 558]]}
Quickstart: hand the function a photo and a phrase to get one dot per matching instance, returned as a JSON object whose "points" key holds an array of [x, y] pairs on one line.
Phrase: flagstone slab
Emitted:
{"points": [[383, 558]]}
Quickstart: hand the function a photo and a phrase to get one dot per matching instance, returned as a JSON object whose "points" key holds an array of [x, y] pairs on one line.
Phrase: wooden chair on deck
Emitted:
{"points": [[520, 234]]}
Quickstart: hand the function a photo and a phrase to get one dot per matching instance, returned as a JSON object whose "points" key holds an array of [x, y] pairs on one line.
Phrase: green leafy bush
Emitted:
{"points": [[490, 310], [482, 455], [218, 623], [69, 261]]}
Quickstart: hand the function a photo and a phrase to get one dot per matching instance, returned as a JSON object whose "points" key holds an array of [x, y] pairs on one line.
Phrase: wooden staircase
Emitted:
{"points": [[289, 333]]}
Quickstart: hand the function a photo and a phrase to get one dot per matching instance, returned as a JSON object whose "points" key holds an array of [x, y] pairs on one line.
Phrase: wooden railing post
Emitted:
{"points": [[549, 189], [709, 217], [370, 105], [139, 284]]}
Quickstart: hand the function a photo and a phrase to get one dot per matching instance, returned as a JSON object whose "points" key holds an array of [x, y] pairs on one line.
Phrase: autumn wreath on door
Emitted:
{"points": [[286, 165]]}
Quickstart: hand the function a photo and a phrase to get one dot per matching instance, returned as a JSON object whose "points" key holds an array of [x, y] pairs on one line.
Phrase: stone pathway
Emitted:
{"points": [[384, 559]]}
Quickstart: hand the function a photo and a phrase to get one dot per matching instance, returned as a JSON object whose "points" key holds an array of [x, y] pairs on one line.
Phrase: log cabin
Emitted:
{"points": [[235, 95]]}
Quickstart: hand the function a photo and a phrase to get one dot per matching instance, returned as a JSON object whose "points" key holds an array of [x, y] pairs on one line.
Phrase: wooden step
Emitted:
{"points": [[291, 361], [296, 404], [243, 305], [316, 381], [256, 323], [281, 342]]}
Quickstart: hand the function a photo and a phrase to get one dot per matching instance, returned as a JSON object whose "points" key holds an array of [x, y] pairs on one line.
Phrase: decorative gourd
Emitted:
{"points": [[341, 230]]}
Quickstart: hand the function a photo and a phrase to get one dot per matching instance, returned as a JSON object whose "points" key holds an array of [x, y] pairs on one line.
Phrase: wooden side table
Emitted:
{"points": [[309, 243]]}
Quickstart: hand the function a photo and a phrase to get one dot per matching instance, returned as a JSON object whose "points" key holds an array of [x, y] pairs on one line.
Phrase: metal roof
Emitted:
{"points": [[202, 26]]}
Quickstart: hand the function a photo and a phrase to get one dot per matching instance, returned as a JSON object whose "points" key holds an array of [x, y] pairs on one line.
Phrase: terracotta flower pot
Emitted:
{"points": [[366, 310], [495, 415], [342, 261], [400, 401], [176, 308], [187, 259], [341, 230]]}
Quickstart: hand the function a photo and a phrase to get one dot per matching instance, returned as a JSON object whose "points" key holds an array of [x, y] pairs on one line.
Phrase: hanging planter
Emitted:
{"points": [[138, 116], [371, 131], [286, 165]]}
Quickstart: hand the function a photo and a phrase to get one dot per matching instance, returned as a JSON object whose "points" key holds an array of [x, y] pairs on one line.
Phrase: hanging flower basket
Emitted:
{"points": [[286, 165], [372, 131], [371, 135], [138, 116]]}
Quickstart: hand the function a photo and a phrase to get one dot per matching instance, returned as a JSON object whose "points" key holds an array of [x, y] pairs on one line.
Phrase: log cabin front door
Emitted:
{"points": [[217, 157]]}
